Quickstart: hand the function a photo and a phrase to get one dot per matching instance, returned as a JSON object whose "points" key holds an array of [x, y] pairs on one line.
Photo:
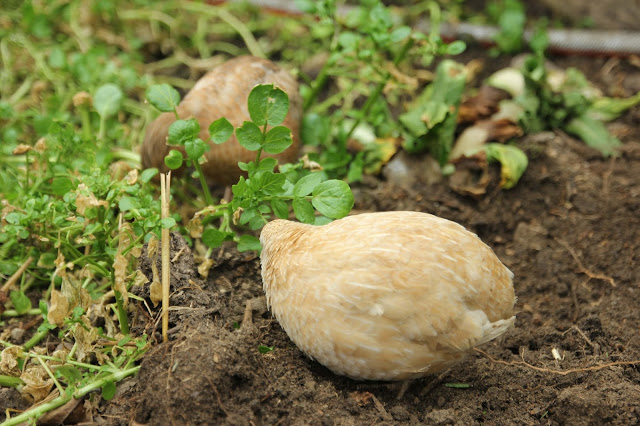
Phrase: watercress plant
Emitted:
{"points": [[265, 192]]}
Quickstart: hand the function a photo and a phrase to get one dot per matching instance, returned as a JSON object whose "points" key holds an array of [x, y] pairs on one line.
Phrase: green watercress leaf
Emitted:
{"points": [[280, 208], [213, 238], [163, 97], [333, 198], [107, 100], [174, 159], [306, 184], [268, 104], [249, 136], [195, 148], [220, 130], [181, 131], [249, 242], [108, 391], [20, 302], [303, 210], [277, 140]]}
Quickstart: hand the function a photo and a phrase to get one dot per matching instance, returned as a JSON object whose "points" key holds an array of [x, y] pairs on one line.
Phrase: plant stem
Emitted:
{"points": [[35, 339], [66, 397], [12, 313], [203, 182], [122, 314], [10, 381]]}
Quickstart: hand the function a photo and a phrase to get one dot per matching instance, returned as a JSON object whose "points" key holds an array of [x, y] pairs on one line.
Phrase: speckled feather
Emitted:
{"points": [[223, 92], [385, 296]]}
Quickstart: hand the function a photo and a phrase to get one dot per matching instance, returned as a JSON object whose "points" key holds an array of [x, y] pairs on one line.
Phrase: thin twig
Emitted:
{"points": [[165, 185], [558, 372], [16, 275]]}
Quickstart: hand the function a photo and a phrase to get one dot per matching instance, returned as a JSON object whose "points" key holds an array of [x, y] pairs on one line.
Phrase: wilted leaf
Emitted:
{"points": [[9, 360], [607, 109], [38, 384], [513, 162], [155, 292], [86, 199], [59, 308], [485, 103], [119, 272], [204, 267]]}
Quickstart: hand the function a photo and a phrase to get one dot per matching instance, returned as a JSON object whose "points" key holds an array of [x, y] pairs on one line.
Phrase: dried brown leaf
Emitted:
{"points": [[9, 361], [482, 105], [38, 384]]}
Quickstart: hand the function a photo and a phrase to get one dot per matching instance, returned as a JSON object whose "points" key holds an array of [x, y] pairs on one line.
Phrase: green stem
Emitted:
{"points": [[33, 414], [101, 131], [12, 313], [122, 314], [35, 339], [86, 122], [10, 381], [203, 182]]}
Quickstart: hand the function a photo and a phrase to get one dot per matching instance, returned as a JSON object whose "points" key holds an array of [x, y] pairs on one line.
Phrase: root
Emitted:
{"points": [[557, 372]]}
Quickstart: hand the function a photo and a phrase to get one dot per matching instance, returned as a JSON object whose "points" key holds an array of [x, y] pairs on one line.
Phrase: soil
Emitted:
{"points": [[570, 232]]}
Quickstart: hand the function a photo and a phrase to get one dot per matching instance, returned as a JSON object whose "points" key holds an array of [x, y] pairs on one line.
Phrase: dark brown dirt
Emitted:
{"points": [[569, 231]]}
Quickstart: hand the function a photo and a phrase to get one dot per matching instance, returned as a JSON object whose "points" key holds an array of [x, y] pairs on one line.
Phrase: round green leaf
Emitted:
{"points": [[268, 104], [174, 159], [249, 136], [277, 140], [303, 210], [107, 100], [306, 184], [195, 148], [333, 198], [163, 97], [182, 131], [220, 130]]}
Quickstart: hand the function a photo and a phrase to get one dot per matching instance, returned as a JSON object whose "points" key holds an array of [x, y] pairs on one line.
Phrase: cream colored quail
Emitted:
{"points": [[385, 296]]}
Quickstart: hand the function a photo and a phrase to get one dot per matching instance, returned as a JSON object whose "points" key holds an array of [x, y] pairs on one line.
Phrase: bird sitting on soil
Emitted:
{"points": [[223, 92], [385, 296]]}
